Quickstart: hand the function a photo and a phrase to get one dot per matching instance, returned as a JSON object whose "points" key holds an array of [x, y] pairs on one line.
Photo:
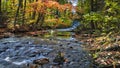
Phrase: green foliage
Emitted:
{"points": [[95, 55], [106, 19], [93, 16]]}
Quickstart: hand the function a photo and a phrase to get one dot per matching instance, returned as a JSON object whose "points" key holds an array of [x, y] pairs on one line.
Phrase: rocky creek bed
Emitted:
{"points": [[20, 52]]}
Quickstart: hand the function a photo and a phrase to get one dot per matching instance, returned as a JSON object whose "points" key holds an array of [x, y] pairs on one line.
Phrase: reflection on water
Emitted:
{"points": [[64, 33], [61, 35]]}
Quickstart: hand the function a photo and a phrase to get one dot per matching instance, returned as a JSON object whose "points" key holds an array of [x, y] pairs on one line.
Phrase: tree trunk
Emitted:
{"points": [[34, 13], [24, 8], [30, 14], [92, 5], [0, 6], [21, 3], [40, 19], [0, 11], [17, 13], [92, 9], [37, 21], [6, 5]]}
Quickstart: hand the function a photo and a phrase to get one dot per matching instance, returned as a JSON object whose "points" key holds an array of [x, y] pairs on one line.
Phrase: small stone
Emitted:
{"points": [[41, 60], [68, 43], [69, 56], [61, 45], [59, 59], [71, 47], [6, 36]]}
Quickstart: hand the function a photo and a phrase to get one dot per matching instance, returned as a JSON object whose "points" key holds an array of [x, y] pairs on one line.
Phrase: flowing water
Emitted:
{"points": [[75, 24], [20, 52]]}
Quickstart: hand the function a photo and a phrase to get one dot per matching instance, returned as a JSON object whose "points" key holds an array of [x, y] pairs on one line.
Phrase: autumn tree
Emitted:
{"points": [[43, 8]]}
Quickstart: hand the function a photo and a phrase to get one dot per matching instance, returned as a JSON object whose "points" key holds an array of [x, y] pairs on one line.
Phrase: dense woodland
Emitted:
{"points": [[96, 15], [99, 22]]}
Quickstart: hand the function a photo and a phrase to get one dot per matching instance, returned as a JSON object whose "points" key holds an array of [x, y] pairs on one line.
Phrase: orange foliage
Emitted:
{"points": [[41, 6], [37, 6]]}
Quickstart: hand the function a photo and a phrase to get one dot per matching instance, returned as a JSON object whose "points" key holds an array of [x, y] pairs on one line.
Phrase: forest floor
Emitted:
{"points": [[104, 49]]}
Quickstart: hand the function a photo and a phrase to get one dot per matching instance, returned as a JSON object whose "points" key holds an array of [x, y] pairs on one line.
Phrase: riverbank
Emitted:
{"points": [[104, 49]]}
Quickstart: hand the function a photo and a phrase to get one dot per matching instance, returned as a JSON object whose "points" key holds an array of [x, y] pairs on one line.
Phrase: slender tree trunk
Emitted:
{"points": [[96, 9], [0, 11], [92, 5], [24, 8], [30, 14], [96, 5], [0, 6], [34, 13], [21, 3], [36, 23], [92, 9], [6, 5], [40, 19], [16, 15]]}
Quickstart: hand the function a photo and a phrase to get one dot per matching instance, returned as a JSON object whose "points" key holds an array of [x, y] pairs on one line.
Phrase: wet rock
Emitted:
{"points": [[71, 47], [41, 60], [60, 45], [59, 59], [68, 43]]}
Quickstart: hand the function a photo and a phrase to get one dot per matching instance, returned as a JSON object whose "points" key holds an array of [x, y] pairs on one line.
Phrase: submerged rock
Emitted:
{"points": [[41, 60], [59, 59]]}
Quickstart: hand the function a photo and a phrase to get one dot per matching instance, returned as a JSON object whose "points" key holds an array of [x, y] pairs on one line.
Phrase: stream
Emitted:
{"points": [[20, 52]]}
